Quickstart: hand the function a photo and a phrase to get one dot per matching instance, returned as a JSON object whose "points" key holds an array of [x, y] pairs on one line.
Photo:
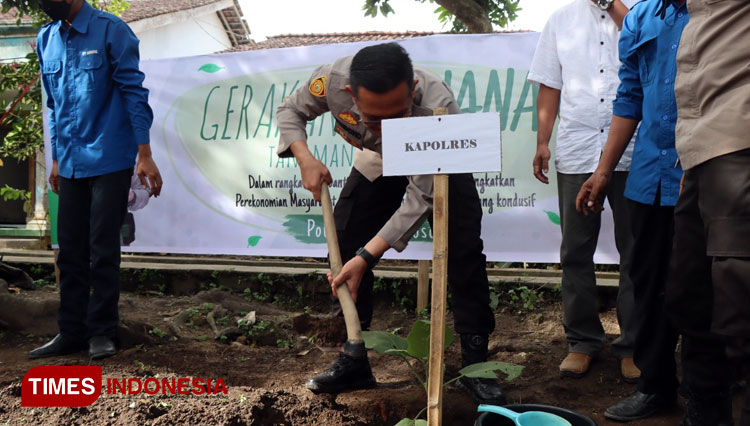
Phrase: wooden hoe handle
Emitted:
{"points": [[353, 327]]}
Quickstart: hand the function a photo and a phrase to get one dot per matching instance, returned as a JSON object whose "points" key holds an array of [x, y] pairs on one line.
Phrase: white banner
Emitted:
{"points": [[226, 192]]}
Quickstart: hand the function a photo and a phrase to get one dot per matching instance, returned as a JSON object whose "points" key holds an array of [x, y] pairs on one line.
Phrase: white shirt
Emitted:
{"points": [[577, 54]]}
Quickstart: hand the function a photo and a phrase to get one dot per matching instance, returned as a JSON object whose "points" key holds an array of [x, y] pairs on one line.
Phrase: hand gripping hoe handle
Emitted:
{"points": [[355, 346]]}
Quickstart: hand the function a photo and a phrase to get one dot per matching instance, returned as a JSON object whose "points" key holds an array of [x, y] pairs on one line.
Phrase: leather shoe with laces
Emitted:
{"points": [[59, 345], [639, 405], [347, 373], [101, 347]]}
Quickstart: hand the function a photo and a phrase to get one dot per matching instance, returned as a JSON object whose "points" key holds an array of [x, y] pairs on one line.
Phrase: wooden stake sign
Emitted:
{"points": [[442, 144], [439, 289]]}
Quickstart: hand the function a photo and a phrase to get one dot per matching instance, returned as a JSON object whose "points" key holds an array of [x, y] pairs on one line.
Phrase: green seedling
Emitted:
{"points": [[156, 331], [415, 351]]}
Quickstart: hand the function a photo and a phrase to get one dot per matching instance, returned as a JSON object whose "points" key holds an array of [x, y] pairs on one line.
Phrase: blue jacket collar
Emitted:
{"points": [[81, 21]]}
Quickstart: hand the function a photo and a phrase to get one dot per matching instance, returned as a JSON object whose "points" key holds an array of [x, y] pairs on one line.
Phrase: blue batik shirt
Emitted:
{"points": [[648, 52], [98, 107]]}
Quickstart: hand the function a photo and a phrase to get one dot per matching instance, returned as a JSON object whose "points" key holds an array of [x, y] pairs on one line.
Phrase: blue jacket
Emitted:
{"points": [[648, 52], [98, 107]]}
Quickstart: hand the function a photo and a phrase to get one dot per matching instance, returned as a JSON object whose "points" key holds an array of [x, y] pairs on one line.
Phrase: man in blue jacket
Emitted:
{"points": [[99, 120], [648, 49]]}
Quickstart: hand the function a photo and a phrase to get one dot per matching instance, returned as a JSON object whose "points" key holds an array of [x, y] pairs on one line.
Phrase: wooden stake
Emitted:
{"points": [[439, 288], [423, 285]]}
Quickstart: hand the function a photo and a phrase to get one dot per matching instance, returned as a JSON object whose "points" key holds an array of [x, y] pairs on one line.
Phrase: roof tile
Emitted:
{"points": [[292, 40], [142, 9]]}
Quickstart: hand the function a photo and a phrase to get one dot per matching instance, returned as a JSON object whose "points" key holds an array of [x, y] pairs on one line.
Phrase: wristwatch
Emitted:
{"points": [[369, 258], [604, 4]]}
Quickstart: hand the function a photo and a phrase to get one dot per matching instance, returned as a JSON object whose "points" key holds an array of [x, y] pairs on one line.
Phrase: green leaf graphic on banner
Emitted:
{"points": [[210, 68], [553, 217], [253, 241], [306, 228]]}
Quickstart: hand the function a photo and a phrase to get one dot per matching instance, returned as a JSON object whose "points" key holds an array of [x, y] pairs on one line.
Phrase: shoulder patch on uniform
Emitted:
{"points": [[318, 86], [346, 137], [440, 110], [348, 117]]}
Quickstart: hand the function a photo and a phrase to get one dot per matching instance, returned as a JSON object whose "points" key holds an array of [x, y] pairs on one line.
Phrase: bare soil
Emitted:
{"points": [[265, 370]]}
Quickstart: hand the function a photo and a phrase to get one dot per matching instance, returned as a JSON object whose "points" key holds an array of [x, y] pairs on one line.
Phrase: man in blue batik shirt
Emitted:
{"points": [[99, 119], [648, 48]]}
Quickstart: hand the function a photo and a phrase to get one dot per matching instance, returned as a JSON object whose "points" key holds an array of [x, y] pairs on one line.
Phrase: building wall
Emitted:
{"points": [[13, 48], [199, 35]]}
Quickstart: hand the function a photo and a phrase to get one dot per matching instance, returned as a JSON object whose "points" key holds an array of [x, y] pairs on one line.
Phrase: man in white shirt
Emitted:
{"points": [[575, 65]]}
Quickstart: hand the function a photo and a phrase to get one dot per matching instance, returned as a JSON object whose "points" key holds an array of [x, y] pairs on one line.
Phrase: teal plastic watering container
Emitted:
{"points": [[575, 419]]}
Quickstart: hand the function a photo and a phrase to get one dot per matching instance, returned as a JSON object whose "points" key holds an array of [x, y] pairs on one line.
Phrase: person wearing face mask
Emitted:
{"points": [[378, 83], [99, 121]]}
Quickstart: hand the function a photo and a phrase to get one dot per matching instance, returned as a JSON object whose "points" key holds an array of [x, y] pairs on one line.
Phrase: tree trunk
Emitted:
{"points": [[470, 12]]}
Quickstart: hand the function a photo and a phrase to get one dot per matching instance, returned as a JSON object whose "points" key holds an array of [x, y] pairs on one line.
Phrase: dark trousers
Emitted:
{"points": [[580, 234], [364, 207], [656, 338], [709, 289], [91, 211]]}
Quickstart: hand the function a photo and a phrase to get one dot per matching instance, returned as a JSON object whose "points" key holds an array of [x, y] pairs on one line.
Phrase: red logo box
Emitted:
{"points": [[61, 386]]}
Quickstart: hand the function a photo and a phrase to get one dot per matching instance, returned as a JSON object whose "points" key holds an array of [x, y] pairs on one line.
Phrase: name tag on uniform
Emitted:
{"points": [[90, 52], [442, 144]]}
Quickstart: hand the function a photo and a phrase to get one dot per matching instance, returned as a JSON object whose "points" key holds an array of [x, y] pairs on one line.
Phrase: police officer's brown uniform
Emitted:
{"points": [[371, 204]]}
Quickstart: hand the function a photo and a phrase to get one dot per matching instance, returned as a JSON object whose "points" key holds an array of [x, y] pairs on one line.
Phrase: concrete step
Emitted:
{"points": [[22, 243]]}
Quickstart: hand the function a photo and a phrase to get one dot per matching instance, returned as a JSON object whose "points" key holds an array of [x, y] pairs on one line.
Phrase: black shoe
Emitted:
{"points": [[483, 391], [639, 405], [345, 374], [59, 345], [101, 347], [709, 410], [474, 348]]}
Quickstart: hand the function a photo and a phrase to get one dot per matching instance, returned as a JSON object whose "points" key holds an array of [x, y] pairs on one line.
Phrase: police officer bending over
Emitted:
{"points": [[379, 83]]}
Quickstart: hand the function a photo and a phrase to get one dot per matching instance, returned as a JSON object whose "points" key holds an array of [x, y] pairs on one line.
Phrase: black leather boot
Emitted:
{"points": [[483, 391], [708, 410], [347, 373]]}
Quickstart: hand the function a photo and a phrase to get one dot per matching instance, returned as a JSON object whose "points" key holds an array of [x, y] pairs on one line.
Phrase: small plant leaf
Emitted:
{"points": [[382, 341], [420, 422], [494, 300], [253, 241], [397, 352], [419, 339], [210, 68], [486, 370], [553, 217], [405, 422]]}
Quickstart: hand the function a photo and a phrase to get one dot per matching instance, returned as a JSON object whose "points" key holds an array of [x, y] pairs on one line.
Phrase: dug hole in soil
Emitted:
{"points": [[264, 364]]}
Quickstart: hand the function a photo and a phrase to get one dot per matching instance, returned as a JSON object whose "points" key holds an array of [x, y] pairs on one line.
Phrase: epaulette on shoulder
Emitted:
{"points": [[104, 15]]}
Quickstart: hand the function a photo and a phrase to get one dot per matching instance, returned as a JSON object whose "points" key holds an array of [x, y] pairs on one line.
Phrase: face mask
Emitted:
{"points": [[55, 10]]}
